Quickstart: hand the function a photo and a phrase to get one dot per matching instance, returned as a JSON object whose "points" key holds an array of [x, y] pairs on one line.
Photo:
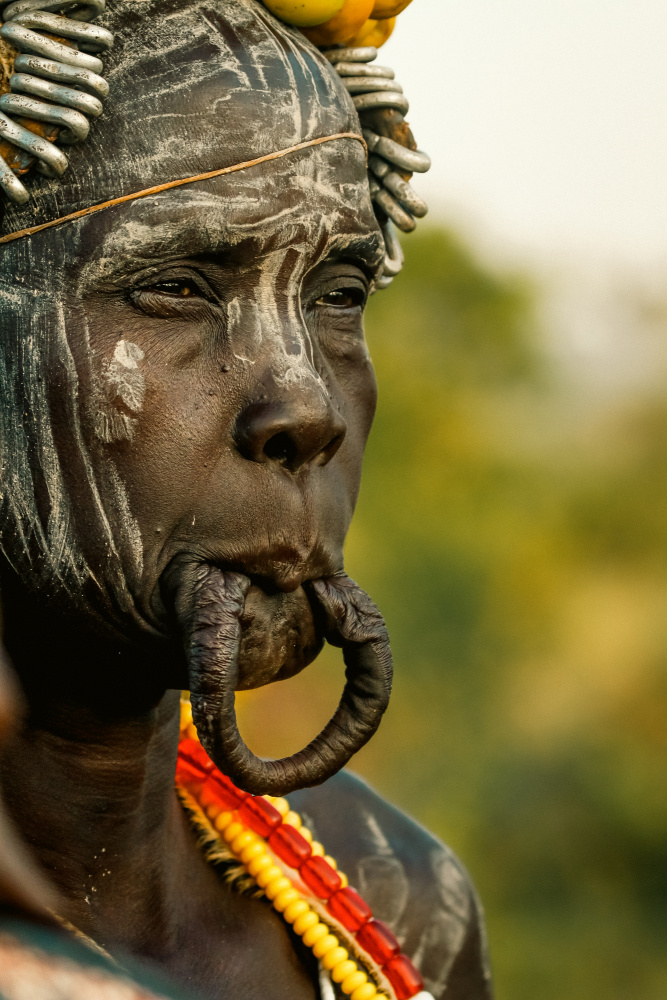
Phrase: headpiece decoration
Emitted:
{"points": [[382, 106], [55, 82]]}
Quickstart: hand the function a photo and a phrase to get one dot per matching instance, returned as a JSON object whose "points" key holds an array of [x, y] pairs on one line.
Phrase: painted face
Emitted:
{"points": [[194, 363], [232, 386]]}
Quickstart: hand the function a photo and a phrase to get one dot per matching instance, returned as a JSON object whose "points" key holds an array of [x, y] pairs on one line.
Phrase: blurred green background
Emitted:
{"points": [[514, 534]]}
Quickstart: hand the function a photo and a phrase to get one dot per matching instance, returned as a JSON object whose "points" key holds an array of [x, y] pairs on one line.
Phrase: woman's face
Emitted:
{"points": [[217, 333], [231, 382], [222, 380]]}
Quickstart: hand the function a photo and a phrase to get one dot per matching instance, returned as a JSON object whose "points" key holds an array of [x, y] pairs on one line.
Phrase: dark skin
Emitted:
{"points": [[226, 394], [259, 391], [90, 777], [116, 843]]}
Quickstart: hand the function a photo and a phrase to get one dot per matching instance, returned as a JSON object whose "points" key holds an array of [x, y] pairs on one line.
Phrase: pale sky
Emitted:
{"points": [[546, 121]]}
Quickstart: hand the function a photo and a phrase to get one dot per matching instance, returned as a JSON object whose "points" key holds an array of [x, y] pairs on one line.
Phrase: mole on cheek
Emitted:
{"points": [[123, 394]]}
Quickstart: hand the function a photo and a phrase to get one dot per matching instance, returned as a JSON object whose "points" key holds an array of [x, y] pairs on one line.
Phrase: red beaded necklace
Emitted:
{"points": [[277, 851]]}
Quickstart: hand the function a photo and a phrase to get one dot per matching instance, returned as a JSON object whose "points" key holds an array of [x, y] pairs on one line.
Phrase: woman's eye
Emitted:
{"points": [[162, 298], [177, 289], [343, 298]]}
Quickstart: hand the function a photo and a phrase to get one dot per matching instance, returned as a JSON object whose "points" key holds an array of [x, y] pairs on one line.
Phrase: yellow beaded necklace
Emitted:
{"points": [[274, 849]]}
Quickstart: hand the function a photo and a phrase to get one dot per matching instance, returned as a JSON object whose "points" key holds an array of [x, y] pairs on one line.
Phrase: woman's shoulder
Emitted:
{"points": [[412, 881]]}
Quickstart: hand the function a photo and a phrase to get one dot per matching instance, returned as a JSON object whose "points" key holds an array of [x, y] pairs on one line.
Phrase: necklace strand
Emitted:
{"points": [[270, 844], [277, 850], [84, 938]]}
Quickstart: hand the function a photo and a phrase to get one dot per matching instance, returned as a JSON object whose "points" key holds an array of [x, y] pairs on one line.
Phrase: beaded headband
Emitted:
{"points": [[53, 56]]}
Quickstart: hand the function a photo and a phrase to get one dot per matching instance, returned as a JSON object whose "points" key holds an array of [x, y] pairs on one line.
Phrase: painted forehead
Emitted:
{"points": [[316, 202], [194, 85]]}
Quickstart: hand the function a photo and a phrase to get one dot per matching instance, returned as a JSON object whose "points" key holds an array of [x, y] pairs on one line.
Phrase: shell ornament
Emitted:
{"points": [[56, 85], [350, 37]]}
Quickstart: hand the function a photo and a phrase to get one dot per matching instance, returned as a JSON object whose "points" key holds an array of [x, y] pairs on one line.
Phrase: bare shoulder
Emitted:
{"points": [[412, 881]]}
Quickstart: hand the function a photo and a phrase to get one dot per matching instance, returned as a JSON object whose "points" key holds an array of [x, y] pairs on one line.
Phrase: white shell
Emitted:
{"points": [[326, 986]]}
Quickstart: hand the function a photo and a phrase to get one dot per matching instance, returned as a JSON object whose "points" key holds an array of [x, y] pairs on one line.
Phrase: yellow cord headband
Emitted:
{"points": [[180, 183]]}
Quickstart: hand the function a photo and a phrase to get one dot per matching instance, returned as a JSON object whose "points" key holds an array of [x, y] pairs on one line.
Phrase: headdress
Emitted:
{"points": [[50, 51]]}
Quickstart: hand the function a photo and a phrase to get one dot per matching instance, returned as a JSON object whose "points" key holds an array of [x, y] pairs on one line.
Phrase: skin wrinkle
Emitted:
{"points": [[152, 239], [123, 244], [97, 755], [133, 241]]}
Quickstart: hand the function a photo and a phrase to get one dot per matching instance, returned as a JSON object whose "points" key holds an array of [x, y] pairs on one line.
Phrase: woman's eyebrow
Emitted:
{"points": [[366, 251], [196, 227], [183, 231]]}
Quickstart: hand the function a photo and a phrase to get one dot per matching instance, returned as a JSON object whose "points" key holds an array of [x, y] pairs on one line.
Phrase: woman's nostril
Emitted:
{"points": [[281, 448], [295, 433], [328, 453]]}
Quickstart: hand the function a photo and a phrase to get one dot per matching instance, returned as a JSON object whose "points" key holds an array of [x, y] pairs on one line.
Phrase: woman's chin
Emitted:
{"points": [[279, 636]]}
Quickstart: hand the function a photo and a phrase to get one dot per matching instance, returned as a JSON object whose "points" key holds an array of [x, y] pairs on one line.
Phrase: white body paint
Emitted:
{"points": [[45, 281], [124, 391]]}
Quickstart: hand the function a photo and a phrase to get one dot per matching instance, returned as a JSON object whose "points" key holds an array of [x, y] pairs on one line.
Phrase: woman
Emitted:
{"points": [[186, 397]]}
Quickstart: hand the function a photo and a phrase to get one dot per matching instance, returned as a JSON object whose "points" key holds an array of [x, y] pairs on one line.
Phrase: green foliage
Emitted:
{"points": [[523, 575]]}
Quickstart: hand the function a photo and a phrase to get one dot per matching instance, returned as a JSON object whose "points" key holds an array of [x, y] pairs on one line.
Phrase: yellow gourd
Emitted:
{"points": [[389, 8], [344, 26], [304, 13], [374, 32]]}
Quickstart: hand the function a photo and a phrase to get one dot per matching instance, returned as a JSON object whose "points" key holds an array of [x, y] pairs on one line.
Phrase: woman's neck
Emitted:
{"points": [[88, 778]]}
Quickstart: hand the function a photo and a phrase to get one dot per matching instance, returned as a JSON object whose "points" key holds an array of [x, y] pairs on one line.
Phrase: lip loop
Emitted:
{"points": [[212, 628]]}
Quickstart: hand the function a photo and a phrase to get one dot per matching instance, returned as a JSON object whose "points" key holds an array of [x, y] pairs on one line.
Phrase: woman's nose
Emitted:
{"points": [[294, 431]]}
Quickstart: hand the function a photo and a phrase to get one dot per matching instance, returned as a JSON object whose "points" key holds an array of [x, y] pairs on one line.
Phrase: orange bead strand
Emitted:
{"points": [[263, 829]]}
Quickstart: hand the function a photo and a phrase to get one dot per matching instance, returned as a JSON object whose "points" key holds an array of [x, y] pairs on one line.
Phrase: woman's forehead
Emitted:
{"points": [[313, 203]]}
